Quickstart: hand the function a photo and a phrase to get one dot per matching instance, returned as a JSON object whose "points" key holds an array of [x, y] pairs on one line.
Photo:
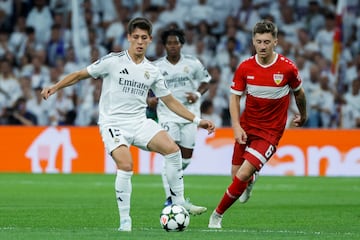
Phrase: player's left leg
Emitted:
{"points": [[165, 145], [184, 135], [188, 133], [186, 154], [237, 161], [173, 129], [233, 192], [257, 153], [263, 151], [247, 193]]}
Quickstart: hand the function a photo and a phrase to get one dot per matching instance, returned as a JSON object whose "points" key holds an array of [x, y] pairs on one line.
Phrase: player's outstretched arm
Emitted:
{"points": [[68, 80], [174, 105]]}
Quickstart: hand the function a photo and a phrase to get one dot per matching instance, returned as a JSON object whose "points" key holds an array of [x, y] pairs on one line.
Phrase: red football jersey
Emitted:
{"points": [[267, 91]]}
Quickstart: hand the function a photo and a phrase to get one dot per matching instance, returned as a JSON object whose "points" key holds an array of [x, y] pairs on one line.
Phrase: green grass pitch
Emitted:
{"points": [[82, 206]]}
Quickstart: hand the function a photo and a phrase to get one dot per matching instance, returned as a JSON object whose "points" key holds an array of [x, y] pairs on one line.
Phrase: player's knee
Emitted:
{"points": [[172, 148], [125, 166], [244, 175]]}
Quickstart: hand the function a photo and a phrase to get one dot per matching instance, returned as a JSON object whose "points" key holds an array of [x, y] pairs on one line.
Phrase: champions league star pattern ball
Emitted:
{"points": [[174, 218]]}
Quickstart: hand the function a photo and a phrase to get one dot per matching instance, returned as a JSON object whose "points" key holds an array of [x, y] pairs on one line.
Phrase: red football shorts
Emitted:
{"points": [[256, 150]]}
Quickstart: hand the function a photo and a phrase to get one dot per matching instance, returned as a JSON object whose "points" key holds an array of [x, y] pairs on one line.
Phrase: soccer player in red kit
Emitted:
{"points": [[267, 79]]}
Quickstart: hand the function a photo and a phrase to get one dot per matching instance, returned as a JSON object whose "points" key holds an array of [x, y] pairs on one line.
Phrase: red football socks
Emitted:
{"points": [[232, 193]]}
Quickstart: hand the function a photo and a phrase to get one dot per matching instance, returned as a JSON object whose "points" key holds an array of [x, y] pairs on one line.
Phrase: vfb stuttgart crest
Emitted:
{"points": [[278, 78]]}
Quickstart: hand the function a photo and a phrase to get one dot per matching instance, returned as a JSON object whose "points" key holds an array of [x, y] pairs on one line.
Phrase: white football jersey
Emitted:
{"points": [[184, 76], [125, 87]]}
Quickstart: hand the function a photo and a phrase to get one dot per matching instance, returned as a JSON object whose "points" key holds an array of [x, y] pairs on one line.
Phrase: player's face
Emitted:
{"points": [[264, 44], [139, 41], [173, 46]]}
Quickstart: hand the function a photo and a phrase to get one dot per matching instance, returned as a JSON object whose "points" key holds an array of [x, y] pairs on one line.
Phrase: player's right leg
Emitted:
{"points": [[120, 153], [123, 186]]}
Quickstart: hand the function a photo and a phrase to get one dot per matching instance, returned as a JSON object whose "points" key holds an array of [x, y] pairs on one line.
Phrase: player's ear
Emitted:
{"points": [[253, 41], [275, 42]]}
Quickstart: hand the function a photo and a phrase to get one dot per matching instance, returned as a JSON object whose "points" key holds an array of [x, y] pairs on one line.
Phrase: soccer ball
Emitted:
{"points": [[174, 218]]}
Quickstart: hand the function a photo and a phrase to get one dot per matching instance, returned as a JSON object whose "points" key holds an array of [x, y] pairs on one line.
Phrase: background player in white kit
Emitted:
{"points": [[187, 79], [127, 78]]}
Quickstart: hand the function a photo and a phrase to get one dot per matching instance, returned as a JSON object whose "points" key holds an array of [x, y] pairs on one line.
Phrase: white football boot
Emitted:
{"points": [[215, 220], [247, 193], [193, 209], [125, 225]]}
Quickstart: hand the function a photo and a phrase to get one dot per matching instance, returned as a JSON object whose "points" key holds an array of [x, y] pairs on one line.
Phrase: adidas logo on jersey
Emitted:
{"points": [[124, 71]]}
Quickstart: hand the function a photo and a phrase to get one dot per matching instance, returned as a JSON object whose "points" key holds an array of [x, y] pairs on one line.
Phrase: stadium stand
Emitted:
{"points": [[37, 48]]}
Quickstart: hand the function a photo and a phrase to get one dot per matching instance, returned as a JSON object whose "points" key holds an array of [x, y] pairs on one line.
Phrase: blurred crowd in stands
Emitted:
{"points": [[37, 48]]}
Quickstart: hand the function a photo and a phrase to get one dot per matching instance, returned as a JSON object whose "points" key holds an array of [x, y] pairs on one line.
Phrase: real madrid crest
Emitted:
{"points": [[147, 75], [278, 78], [186, 69]]}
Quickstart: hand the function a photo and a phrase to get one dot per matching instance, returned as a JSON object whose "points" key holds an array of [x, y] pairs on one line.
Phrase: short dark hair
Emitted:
{"points": [[139, 22], [173, 32], [265, 26], [205, 105]]}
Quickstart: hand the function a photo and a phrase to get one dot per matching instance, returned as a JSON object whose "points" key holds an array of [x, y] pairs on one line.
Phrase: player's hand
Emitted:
{"points": [[208, 125], [152, 101], [46, 92], [299, 121], [240, 135], [191, 97]]}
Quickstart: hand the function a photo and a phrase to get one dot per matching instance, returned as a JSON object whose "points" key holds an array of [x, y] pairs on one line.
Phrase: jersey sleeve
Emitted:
{"points": [[295, 81], [201, 72], [100, 67], [159, 87], [238, 83]]}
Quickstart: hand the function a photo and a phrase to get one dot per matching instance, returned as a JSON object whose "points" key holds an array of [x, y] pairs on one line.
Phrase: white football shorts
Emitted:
{"points": [[184, 134], [136, 133]]}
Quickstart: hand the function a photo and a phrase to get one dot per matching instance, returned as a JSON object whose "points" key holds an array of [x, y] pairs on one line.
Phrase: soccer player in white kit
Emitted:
{"points": [[127, 77], [187, 79]]}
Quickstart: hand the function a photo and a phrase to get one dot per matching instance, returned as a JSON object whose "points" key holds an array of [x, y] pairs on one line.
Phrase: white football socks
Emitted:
{"points": [[185, 163], [123, 190], [165, 181], [175, 178]]}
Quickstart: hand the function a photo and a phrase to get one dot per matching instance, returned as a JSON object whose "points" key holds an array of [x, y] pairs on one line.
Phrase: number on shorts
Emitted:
{"points": [[270, 151], [165, 126], [114, 132]]}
